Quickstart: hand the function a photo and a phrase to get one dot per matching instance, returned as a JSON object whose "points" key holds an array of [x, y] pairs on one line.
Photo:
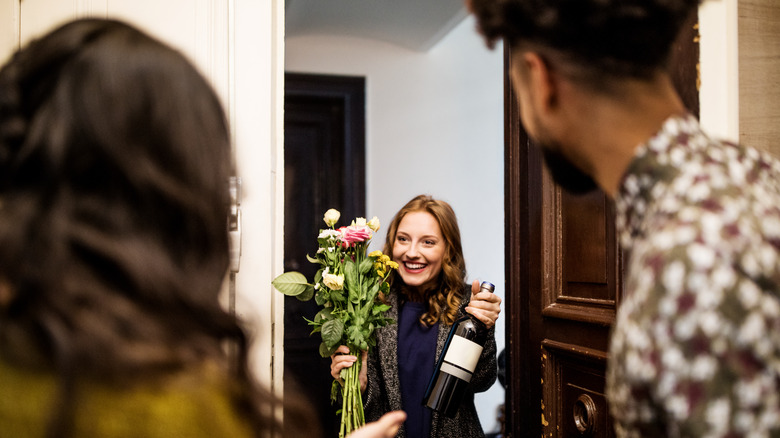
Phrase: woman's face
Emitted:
{"points": [[418, 249]]}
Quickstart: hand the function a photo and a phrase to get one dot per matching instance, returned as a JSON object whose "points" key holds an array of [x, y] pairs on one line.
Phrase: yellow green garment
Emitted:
{"points": [[190, 404]]}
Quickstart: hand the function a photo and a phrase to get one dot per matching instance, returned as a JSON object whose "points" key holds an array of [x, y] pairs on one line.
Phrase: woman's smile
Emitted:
{"points": [[419, 249], [414, 267]]}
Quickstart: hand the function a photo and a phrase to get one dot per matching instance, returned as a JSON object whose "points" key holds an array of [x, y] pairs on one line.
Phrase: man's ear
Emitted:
{"points": [[541, 81]]}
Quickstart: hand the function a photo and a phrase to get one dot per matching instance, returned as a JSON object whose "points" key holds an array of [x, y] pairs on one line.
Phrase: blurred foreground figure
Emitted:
{"points": [[695, 350], [114, 168]]}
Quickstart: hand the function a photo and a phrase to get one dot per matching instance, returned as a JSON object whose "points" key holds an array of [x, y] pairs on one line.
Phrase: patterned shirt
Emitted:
{"points": [[695, 350]]}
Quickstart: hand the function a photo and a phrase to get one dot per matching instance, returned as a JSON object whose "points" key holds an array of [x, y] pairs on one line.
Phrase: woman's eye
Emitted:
{"points": [[401, 239], [430, 242]]}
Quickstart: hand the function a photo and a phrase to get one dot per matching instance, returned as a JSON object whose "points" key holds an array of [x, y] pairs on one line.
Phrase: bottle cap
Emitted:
{"points": [[488, 285]]}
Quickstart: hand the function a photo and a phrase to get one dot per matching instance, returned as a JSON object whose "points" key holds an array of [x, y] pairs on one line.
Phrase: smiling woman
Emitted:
{"points": [[428, 294]]}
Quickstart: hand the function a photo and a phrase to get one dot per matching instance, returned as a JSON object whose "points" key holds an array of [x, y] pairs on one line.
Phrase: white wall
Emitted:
{"points": [[719, 92], [739, 59], [434, 124], [9, 27]]}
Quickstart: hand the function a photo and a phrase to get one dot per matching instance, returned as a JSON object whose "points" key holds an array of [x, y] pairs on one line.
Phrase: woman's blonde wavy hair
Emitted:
{"points": [[446, 296]]}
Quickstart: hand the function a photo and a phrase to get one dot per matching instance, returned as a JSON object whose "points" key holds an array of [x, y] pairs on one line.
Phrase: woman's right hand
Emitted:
{"points": [[342, 359]]}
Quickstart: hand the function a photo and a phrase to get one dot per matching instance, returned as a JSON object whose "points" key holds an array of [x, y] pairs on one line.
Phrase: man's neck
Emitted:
{"points": [[612, 128]]}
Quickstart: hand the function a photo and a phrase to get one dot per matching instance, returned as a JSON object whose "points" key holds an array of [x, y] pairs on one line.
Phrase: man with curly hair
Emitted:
{"points": [[695, 349]]}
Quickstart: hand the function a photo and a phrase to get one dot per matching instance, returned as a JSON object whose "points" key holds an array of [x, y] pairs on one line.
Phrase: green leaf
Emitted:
{"points": [[312, 259], [291, 283], [380, 308], [337, 297], [332, 331], [350, 272], [355, 336], [366, 265], [324, 314], [335, 392], [370, 297], [326, 351], [322, 296], [307, 294]]}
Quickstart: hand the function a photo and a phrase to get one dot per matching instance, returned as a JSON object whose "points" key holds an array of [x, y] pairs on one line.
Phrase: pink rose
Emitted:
{"points": [[355, 234]]}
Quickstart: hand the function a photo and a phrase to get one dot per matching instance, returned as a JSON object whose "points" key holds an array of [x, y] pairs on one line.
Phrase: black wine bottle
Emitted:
{"points": [[457, 363]]}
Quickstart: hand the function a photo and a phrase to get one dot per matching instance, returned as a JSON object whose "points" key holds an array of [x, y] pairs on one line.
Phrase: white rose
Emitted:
{"points": [[331, 217], [374, 224], [334, 282], [329, 234]]}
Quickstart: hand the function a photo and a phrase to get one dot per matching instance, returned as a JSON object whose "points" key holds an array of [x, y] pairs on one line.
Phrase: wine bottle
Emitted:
{"points": [[457, 363]]}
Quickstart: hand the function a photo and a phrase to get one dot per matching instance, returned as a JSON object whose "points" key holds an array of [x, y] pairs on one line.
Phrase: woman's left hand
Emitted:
{"points": [[484, 305]]}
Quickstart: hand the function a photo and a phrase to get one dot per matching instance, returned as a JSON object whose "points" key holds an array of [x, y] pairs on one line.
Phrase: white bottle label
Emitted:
{"points": [[463, 353]]}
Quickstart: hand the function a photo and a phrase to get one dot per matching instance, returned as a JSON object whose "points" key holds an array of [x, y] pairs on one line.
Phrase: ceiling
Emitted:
{"points": [[413, 24]]}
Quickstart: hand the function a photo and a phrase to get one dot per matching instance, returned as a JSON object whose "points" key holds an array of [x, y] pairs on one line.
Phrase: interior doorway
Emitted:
{"points": [[324, 156]]}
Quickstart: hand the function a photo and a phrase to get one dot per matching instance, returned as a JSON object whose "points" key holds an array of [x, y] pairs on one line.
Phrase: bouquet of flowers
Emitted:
{"points": [[347, 286]]}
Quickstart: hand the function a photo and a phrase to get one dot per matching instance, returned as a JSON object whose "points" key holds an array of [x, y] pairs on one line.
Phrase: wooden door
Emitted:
{"points": [[564, 282], [324, 168]]}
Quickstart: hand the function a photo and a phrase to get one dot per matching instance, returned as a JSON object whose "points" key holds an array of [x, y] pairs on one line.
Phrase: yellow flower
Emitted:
{"points": [[374, 224], [331, 217], [383, 264], [359, 222]]}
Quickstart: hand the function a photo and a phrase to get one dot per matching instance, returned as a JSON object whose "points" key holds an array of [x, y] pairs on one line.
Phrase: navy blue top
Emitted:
{"points": [[416, 363]]}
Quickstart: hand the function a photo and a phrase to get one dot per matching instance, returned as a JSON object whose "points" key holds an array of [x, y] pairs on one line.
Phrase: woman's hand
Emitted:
{"points": [[484, 305], [342, 359], [385, 427]]}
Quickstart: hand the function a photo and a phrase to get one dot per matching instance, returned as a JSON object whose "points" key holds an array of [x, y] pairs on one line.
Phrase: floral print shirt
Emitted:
{"points": [[695, 350]]}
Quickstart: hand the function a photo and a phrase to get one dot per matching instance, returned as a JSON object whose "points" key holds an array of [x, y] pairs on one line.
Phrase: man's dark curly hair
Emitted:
{"points": [[622, 38]]}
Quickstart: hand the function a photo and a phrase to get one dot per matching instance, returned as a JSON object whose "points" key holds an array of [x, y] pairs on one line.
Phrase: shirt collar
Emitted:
{"points": [[658, 159]]}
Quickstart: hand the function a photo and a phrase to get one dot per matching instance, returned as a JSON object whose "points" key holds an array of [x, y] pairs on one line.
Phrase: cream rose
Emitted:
{"points": [[331, 217], [334, 282], [374, 224]]}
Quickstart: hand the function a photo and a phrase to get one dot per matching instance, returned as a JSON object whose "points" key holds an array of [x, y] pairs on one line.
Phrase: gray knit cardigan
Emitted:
{"points": [[383, 393]]}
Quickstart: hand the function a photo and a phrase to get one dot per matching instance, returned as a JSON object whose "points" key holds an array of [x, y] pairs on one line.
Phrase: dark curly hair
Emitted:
{"points": [[114, 165], [445, 299], [618, 38]]}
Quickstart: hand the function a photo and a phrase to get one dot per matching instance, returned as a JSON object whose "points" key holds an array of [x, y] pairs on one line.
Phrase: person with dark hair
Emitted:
{"points": [[695, 348], [114, 166], [428, 294]]}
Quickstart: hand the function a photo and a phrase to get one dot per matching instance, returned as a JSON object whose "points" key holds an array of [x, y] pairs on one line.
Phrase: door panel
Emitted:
{"points": [[580, 258], [574, 403]]}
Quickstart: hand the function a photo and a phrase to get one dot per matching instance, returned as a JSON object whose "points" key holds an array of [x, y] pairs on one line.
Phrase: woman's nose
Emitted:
{"points": [[412, 251]]}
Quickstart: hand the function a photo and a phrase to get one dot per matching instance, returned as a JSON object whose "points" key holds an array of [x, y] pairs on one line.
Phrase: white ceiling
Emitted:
{"points": [[414, 24]]}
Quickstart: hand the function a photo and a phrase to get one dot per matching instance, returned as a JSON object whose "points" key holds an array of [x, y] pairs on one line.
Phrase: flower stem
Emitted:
{"points": [[352, 415]]}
